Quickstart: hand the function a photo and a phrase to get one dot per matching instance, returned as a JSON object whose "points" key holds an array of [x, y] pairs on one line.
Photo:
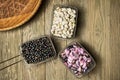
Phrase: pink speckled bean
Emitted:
{"points": [[75, 46], [79, 69], [63, 55], [69, 65], [67, 52], [80, 58], [84, 65], [80, 50], [88, 59], [72, 55], [81, 62], [70, 59], [78, 63], [85, 58], [72, 49], [75, 56], [74, 65]]}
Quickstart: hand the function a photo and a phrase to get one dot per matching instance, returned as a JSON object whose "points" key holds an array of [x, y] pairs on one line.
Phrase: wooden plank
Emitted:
{"points": [[8, 50], [80, 28], [114, 63], [55, 70], [98, 22], [34, 30]]}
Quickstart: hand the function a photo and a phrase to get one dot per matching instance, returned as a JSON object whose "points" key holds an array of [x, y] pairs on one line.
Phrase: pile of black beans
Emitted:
{"points": [[38, 50]]}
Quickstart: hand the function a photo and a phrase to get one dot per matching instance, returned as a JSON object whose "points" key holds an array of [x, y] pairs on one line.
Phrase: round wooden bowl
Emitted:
{"points": [[14, 13]]}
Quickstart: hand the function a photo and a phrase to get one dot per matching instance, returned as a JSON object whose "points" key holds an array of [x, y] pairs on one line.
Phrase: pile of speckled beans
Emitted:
{"points": [[77, 59]]}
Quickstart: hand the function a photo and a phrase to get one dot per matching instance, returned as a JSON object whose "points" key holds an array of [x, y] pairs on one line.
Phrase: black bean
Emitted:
{"points": [[38, 50]]}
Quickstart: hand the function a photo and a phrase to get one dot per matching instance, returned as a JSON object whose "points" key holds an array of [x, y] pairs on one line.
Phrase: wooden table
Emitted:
{"points": [[98, 30]]}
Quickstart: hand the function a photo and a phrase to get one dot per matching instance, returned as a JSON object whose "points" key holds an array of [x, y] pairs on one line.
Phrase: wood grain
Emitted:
{"points": [[98, 31]]}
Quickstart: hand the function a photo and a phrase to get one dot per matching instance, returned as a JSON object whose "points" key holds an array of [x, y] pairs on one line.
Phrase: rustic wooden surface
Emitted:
{"points": [[98, 30]]}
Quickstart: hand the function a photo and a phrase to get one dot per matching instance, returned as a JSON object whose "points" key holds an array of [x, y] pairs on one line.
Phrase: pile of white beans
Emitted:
{"points": [[64, 22]]}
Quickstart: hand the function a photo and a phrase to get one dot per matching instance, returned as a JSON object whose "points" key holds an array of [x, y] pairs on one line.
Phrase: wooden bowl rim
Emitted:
{"points": [[24, 21]]}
